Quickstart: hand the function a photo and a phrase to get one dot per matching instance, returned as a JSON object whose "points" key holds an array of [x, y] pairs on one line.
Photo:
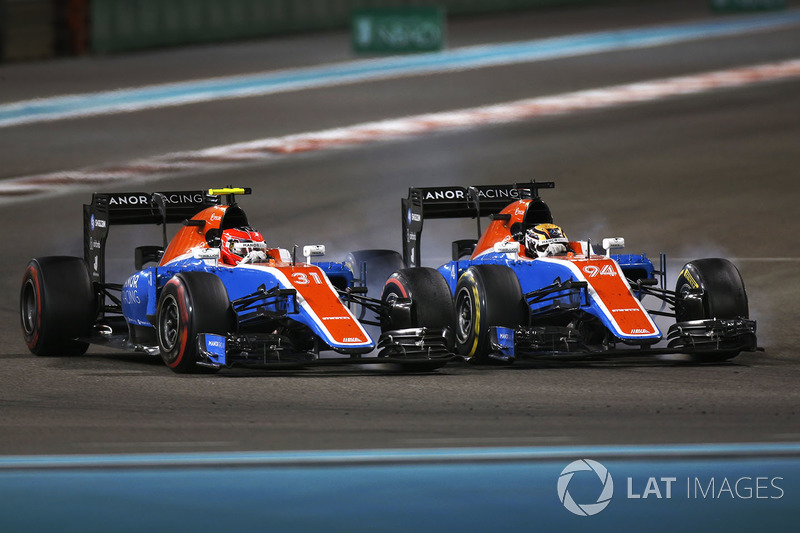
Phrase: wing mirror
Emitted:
{"points": [[313, 250], [613, 243]]}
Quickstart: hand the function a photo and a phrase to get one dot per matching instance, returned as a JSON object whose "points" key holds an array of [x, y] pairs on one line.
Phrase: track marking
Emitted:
{"points": [[398, 456], [264, 83], [400, 128]]}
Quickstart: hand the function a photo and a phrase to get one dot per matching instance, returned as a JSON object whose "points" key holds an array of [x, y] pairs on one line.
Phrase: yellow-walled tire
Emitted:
{"points": [[486, 296]]}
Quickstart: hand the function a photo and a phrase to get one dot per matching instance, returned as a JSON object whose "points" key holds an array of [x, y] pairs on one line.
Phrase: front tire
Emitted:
{"points": [[722, 295], [431, 305], [190, 303], [57, 305], [486, 296]]}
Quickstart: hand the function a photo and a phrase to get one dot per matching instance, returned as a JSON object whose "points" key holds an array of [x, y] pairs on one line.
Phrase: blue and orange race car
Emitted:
{"points": [[523, 289], [217, 296]]}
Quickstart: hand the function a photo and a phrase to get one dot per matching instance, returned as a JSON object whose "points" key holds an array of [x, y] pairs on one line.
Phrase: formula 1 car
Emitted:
{"points": [[218, 296], [522, 289]]}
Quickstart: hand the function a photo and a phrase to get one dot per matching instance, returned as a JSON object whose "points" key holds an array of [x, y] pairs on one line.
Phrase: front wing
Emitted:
{"points": [[408, 346], [697, 337]]}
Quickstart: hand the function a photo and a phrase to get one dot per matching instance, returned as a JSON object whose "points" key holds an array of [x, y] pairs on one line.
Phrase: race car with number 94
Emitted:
{"points": [[523, 289]]}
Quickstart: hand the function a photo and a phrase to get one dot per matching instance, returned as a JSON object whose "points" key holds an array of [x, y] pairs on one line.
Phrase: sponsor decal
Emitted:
{"points": [[144, 199], [461, 194], [215, 347], [131, 297], [130, 293], [96, 222], [129, 199], [688, 277], [413, 217], [352, 339], [498, 193], [445, 194]]}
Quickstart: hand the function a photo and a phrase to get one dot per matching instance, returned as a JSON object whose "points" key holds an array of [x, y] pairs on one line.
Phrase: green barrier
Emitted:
{"points": [[746, 5], [122, 25], [398, 30]]}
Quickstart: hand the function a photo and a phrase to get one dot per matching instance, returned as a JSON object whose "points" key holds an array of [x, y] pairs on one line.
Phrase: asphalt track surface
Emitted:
{"points": [[696, 176]]}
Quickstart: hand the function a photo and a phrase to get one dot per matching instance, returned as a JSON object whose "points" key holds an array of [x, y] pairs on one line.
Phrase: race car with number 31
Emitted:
{"points": [[524, 289], [217, 295]]}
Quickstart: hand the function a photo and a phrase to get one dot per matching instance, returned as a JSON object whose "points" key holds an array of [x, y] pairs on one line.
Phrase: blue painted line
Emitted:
{"points": [[710, 490], [344, 457], [47, 109]]}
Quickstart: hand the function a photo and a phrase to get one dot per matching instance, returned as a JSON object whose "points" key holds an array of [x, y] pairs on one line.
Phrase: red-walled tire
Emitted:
{"points": [[57, 305], [432, 306], [190, 303]]}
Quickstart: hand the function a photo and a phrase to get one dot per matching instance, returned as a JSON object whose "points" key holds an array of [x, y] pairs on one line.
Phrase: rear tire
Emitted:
{"points": [[191, 303], [380, 265], [57, 305], [724, 297], [486, 296]]}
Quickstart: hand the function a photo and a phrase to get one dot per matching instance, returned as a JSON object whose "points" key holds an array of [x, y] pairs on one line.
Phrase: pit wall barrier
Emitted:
{"points": [[41, 29], [123, 25]]}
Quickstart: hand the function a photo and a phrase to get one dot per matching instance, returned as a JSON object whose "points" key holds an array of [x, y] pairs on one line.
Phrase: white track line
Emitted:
{"points": [[367, 133]]}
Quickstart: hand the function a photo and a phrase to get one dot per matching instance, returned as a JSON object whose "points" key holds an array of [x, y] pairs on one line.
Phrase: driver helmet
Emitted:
{"points": [[237, 243], [545, 239]]}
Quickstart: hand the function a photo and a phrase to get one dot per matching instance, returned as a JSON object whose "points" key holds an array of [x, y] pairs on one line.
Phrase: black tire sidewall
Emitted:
{"points": [[429, 293], [60, 289], [724, 294], [724, 297]]}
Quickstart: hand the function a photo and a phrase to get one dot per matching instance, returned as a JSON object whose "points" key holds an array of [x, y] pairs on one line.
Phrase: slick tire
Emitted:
{"points": [[431, 305], [191, 303], [723, 296], [486, 296], [57, 305], [429, 293]]}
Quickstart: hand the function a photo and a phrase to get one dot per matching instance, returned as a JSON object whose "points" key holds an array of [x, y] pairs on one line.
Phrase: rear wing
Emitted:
{"points": [[456, 202], [126, 208]]}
